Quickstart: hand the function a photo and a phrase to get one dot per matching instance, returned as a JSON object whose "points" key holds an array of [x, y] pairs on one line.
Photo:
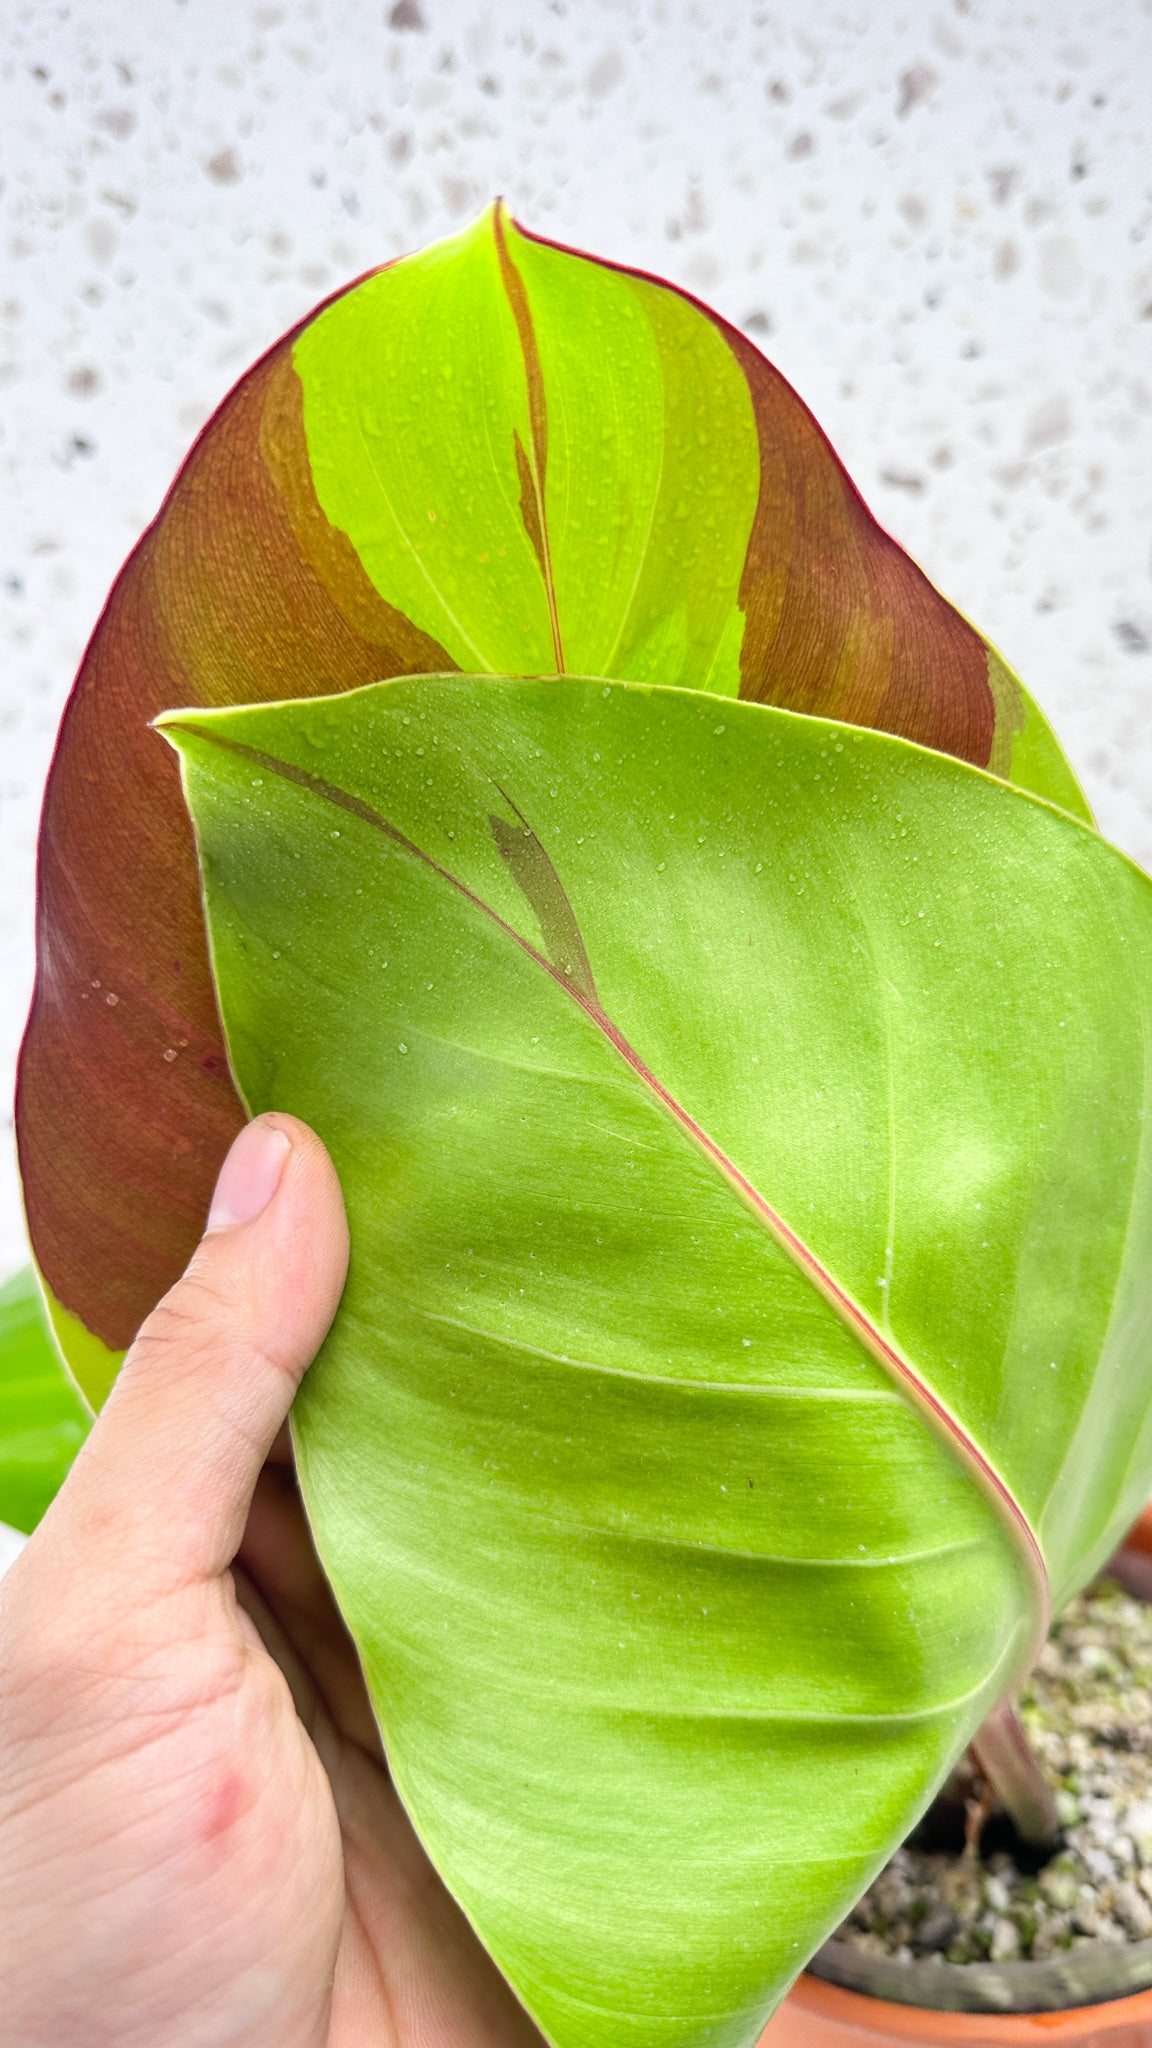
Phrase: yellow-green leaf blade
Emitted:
{"points": [[627, 1692]]}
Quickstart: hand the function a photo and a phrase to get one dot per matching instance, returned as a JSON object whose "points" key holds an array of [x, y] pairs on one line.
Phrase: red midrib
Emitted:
{"points": [[537, 414]]}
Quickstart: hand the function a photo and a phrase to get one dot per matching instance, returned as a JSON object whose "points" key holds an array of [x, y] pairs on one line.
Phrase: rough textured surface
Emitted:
{"points": [[937, 223], [1088, 1713]]}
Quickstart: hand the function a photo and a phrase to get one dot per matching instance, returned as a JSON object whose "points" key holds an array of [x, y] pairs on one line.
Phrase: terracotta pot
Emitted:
{"points": [[1139, 1536], [818, 2015], [1132, 1563]]}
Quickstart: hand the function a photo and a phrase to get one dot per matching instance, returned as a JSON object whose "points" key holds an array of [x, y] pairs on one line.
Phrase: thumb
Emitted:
{"points": [[163, 1485]]}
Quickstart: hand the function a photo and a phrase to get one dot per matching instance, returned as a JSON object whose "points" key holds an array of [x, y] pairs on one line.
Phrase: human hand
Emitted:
{"points": [[200, 1842]]}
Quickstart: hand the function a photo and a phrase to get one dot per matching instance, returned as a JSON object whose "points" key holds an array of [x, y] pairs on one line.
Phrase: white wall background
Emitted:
{"points": [[936, 217]]}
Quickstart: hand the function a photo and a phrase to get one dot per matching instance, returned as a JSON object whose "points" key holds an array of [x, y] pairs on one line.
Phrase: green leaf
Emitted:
{"points": [[742, 1123], [497, 453], [43, 1422]]}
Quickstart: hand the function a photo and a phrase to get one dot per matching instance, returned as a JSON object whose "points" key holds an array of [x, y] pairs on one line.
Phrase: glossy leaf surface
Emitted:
{"points": [[718, 1096], [42, 1420], [497, 454]]}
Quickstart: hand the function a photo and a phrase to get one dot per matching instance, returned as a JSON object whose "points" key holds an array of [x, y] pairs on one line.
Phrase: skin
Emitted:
{"points": [[201, 1842]]}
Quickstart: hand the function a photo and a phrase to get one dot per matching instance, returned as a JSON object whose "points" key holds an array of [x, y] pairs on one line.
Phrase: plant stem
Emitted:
{"points": [[1004, 1757]]}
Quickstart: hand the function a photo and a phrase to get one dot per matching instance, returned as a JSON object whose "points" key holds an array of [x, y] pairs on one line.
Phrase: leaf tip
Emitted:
{"points": [[171, 726]]}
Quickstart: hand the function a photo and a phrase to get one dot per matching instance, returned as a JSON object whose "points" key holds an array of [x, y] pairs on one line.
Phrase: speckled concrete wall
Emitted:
{"points": [[937, 218]]}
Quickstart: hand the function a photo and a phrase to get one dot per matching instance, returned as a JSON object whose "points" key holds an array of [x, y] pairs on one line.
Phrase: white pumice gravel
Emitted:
{"points": [[1088, 1714]]}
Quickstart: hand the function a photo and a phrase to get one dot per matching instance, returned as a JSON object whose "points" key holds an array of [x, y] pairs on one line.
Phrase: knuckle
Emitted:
{"points": [[190, 1319], [201, 1323]]}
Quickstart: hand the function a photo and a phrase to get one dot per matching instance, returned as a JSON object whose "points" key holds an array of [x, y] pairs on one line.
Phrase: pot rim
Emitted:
{"points": [[860, 2018], [1139, 1536]]}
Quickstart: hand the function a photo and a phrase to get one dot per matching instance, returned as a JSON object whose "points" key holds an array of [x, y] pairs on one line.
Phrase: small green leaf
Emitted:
{"points": [[43, 1421]]}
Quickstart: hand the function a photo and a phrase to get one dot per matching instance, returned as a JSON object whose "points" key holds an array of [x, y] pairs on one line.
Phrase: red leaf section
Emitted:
{"points": [[839, 620], [241, 592]]}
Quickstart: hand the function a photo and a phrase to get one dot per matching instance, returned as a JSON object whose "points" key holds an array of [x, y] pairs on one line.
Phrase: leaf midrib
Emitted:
{"points": [[537, 417]]}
